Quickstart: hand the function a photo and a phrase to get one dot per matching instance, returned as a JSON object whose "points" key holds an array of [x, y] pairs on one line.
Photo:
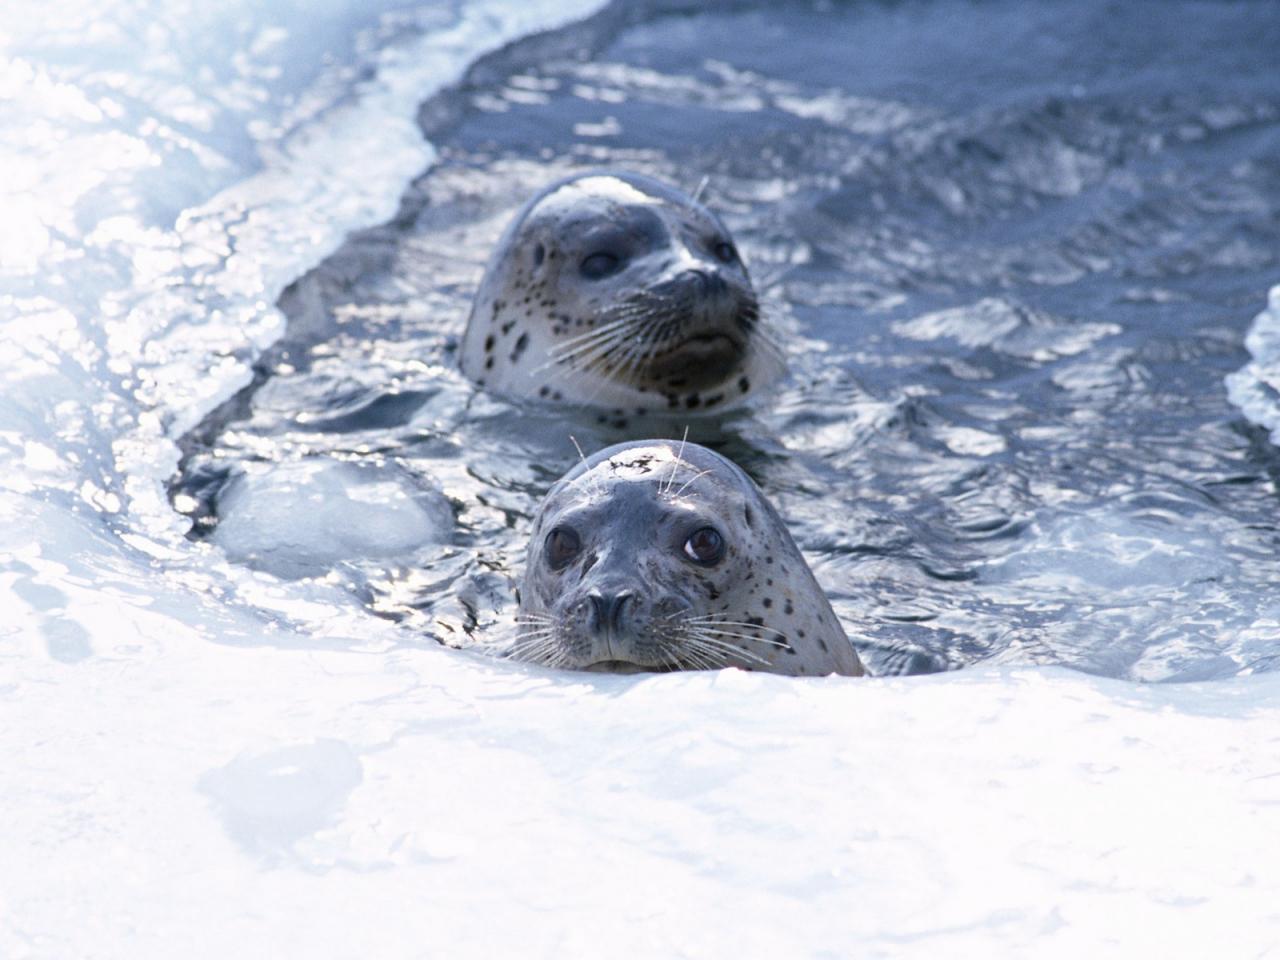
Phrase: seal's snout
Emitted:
{"points": [[708, 282], [698, 283], [608, 610]]}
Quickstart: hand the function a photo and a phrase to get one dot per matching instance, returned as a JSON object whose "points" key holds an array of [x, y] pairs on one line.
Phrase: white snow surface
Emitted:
{"points": [[201, 760]]}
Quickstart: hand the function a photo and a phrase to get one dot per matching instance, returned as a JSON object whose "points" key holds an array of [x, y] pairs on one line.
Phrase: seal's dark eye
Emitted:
{"points": [[562, 546], [599, 265], [725, 252], [705, 546]]}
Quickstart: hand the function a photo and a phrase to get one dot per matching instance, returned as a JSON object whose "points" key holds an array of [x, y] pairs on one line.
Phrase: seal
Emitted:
{"points": [[613, 290], [663, 555]]}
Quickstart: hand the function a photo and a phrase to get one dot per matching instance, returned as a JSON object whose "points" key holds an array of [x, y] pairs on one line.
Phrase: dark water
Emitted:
{"points": [[1013, 248]]}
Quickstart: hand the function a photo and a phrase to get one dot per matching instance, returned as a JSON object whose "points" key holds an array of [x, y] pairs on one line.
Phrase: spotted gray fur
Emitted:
{"points": [[616, 291], [633, 597]]}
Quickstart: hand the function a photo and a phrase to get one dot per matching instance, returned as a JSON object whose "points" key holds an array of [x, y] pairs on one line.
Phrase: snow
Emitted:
{"points": [[205, 760]]}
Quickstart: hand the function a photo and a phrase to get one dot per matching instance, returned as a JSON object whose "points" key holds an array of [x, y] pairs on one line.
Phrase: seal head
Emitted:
{"points": [[662, 555], [615, 290]]}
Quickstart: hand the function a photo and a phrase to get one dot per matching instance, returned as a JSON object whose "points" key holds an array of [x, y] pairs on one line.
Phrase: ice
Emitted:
{"points": [[206, 761], [300, 519], [1255, 388]]}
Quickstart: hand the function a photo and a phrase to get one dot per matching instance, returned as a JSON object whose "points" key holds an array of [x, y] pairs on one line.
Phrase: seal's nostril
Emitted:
{"points": [[607, 609]]}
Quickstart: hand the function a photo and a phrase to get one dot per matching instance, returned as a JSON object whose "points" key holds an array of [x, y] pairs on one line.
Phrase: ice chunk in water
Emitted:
{"points": [[299, 519], [1255, 387]]}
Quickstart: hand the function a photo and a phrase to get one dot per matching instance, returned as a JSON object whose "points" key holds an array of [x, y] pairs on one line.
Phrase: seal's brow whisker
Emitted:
{"points": [[695, 477], [671, 478], [577, 446]]}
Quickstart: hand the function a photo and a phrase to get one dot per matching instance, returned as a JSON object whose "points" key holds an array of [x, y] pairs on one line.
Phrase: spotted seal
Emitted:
{"points": [[616, 291], [663, 555]]}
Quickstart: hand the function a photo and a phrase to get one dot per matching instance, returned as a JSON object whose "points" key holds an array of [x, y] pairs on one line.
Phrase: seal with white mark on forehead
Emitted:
{"points": [[614, 290], [662, 555]]}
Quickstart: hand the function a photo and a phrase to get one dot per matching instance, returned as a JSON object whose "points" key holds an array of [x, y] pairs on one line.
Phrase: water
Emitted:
{"points": [[1017, 251], [1013, 280]]}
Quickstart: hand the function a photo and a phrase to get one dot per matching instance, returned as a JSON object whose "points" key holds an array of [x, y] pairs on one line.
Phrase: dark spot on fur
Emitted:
{"points": [[693, 401], [767, 603], [488, 343], [539, 252], [519, 347], [744, 384], [544, 390], [506, 327], [789, 609], [488, 363]]}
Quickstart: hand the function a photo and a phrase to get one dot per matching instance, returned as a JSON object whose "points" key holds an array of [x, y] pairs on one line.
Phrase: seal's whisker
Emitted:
{"points": [[747, 636], [614, 333], [593, 332], [718, 619], [723, 651], [714, 620], [585, 353], [671, 479], [529, 646], [694, 652], [530, 636], [731, 649], [697, 476], [593, 346]]}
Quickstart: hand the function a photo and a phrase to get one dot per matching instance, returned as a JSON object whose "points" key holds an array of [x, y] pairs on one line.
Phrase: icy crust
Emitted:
{"points": [[1255, 388]]}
